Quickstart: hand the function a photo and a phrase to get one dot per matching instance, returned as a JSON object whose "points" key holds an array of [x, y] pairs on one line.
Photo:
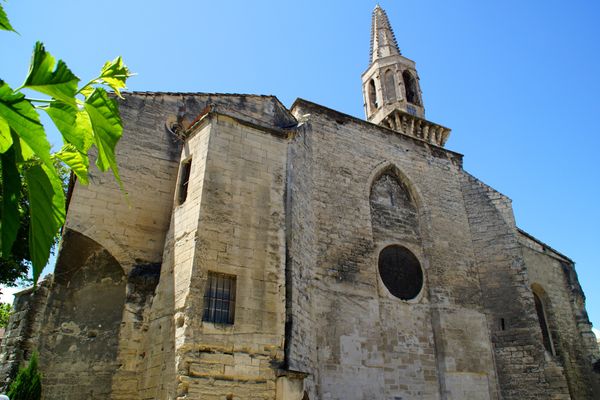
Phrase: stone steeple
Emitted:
{"points": [[383, 41], [391, 88]]}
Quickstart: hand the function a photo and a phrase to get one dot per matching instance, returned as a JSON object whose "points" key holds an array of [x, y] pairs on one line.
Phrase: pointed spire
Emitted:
{"points": [[383, 41]]}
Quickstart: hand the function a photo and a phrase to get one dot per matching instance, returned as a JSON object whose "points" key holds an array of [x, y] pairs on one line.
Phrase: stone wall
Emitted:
{"points": [[550, 277], [298, 210], [79, 336], [236, 227], [301, 342], [167, 316], [21, 337], [524, 372], [370, 344], [137, 229]]}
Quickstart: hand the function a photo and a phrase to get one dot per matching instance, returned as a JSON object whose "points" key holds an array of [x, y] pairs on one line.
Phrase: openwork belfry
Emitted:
{"points": [[292, 254]]}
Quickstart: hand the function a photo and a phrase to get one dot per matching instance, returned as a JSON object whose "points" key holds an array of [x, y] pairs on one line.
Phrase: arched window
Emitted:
{"points": [[541, 314], [389, 84], [410, 86], [372, 95], [394, 211]]}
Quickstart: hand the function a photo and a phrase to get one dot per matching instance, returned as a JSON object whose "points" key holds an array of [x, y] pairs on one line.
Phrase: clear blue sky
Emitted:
{"points": [[517, 81]]}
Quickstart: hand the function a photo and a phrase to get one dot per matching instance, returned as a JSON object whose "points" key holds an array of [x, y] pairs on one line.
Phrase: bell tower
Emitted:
{"points": [[391, 81], [391, 88]]}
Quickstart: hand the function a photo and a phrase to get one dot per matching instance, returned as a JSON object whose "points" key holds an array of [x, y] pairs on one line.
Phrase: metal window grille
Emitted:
{"points": [[186, 168], [219, 299]]}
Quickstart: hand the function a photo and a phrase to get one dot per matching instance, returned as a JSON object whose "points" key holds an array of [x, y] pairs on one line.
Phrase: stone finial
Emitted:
{"points": [[383, 41]]}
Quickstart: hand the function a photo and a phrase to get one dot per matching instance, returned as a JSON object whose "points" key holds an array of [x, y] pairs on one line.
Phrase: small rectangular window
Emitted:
{"points": [[219, 299], [184, 180]]}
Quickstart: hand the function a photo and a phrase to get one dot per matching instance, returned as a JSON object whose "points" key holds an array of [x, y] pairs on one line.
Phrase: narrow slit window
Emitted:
{"points": [[541, 313], [219, 299], [372, 95], [184, 180]]}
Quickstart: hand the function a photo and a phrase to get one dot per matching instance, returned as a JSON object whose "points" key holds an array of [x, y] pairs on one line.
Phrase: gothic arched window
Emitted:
{"points": [[372, 95], [389, 84], [410, 86]]}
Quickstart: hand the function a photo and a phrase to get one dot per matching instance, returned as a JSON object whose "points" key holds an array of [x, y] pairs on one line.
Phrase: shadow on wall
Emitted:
{"points": [[80, 332]]}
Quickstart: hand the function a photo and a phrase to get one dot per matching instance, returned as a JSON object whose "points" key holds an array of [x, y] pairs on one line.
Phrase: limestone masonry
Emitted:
{"points": [[268, 253]]}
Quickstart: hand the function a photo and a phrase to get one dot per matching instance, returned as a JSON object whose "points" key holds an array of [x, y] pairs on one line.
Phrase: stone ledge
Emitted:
{"points": [[414, 126]]}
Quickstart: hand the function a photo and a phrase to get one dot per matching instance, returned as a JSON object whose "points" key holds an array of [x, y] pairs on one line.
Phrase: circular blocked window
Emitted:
{"points": [[400, 272]]}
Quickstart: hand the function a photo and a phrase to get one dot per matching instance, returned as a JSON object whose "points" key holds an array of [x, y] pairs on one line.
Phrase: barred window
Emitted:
{"points": [[219, 299]]}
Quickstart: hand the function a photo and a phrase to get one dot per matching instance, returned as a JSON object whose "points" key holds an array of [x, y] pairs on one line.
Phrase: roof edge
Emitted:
{"points": [[300, 101], [281, 108], [538, 241], [213, 110], [168, 93]]}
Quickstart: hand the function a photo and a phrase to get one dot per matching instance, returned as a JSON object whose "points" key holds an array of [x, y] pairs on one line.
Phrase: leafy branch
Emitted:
{"points": [[86, 116]]}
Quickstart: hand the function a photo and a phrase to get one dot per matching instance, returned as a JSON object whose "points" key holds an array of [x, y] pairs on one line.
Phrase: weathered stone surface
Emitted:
{"points": [[294, 208], [79, 336], [301, 231]]}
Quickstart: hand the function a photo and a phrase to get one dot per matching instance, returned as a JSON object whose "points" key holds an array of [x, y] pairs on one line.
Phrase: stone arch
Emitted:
{"points": [[389, 86], [390, 167], [372, 95], [394, 206], [410, 88], [542, 309], [78, 353]]}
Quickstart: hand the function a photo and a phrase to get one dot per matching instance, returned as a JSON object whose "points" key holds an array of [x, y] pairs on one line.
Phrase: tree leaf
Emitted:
{"points": [[4, 23], [5, 138], [47, 213], [73, 124], [59, 83], [86, 91], [24, 120], [84, 128], [107, 126], [114, 74], [77, 161], [11, 192], [24, 152]]}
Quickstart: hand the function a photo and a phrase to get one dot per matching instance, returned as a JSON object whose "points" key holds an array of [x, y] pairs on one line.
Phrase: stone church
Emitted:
{"points": [[291, 254]]}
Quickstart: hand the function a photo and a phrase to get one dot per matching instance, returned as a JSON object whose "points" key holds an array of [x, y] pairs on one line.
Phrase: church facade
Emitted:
{"points": [[292, 254]]}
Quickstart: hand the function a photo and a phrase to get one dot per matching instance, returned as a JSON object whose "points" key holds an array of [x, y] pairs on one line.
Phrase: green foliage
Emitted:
{"points": [[4, 24], [11, 191], [27, 385], [75, 160], [47, 211], [4, 314], [22, 118], [86, 116], [16, 264], [59, 83], [113, 74]]}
